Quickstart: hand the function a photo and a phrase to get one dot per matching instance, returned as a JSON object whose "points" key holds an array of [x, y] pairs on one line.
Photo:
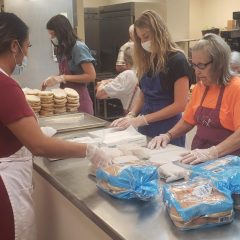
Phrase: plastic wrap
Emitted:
{"points": [[197, 204], [127, 181], [224, 172]]}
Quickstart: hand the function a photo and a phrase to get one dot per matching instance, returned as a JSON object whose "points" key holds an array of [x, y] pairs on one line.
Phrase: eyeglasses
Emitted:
{"points": [[201, 66]]}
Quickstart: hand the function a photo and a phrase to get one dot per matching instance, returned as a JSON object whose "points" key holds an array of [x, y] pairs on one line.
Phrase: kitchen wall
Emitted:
{"points": [[178, 18], [97, 3], [216, 13], [36, 13]]}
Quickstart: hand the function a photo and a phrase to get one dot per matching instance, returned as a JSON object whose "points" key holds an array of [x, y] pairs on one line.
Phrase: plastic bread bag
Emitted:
{"points": [[197, 204], [133, 149], [224, 172], [113, 152], [128, 181], [171, 172], [115, 160]]}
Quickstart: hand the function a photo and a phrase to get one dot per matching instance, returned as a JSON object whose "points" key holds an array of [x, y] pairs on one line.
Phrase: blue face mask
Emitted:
{"points": [[19, 68]]}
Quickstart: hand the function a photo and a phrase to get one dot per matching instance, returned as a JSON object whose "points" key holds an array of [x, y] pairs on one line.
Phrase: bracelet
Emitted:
{"points": [[169, 135], [131, 114]]}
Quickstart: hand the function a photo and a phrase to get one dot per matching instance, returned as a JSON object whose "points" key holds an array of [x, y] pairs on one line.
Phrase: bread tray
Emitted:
{"points": [[71, 122]]}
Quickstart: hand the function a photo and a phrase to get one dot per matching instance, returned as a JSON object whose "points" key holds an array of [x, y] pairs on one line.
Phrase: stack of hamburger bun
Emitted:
{"points": [[60, 99], [72, 100], [56, 101], [34, 102], [47, 104], [197, 204], [32, 97]]}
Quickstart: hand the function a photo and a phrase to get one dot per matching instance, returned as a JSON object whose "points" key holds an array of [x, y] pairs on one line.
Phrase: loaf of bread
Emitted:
{"points": [[129, 180], [196, 204], [202, 221]]}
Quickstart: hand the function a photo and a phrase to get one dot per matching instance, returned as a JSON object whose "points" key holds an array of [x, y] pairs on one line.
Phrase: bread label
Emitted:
{"points": [[202, 191]]}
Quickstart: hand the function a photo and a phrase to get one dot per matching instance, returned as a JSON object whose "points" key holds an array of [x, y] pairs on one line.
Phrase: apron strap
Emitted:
{"points": [[134, 93], [220, 97], [204, 95]]}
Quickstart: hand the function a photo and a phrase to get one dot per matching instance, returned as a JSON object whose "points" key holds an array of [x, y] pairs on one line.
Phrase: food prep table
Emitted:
{"points": [[120, 219]]}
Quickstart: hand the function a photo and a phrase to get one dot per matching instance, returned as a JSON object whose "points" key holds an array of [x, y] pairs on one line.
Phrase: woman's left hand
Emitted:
{"points": [[125, 122], [199, 155]]}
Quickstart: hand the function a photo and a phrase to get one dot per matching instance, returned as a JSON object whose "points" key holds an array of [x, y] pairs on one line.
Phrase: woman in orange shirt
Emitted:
{"points": [[213, 108]]}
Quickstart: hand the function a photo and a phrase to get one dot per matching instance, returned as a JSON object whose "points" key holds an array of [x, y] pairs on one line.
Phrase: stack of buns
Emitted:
{"points": [[47, 103], [33, 98], [72, 100], [55, 101], [60, 99], [34, 102], [197, 204]]}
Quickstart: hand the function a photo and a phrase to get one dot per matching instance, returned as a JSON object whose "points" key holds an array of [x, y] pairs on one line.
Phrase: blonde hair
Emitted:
{"points": [[161, 44]]}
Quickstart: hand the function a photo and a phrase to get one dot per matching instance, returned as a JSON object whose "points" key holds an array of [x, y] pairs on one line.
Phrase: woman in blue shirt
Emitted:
{"points": [[76, 64]]}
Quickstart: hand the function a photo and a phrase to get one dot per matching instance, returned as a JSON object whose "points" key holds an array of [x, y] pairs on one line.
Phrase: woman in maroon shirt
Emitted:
{"points": [[20, 136]]}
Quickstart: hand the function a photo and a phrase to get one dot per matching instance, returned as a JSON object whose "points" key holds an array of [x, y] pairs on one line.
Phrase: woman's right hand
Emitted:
{"points": [[52, 81], [97, 156], [159, 141]]}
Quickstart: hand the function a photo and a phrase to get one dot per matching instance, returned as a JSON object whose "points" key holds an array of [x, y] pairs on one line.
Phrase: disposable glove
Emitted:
{"points": [[125, 122], [199, 155], [49, 131], [97, 157], [52, 81], [159, 141]]}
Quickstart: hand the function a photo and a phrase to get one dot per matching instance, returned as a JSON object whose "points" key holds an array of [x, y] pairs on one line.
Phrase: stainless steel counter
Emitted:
{"points": [[121, 219]]}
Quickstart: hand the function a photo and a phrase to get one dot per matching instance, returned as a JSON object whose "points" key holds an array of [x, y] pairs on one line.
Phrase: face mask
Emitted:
{"points": [[54, 41], [19, 68], [146, 46]]}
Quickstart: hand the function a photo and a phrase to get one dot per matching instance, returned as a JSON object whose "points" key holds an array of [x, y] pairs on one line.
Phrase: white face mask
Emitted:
{"points": [[19, 68], [147, 46], [54, 41]]}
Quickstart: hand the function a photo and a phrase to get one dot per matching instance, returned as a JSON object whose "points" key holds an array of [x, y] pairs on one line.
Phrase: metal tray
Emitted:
{"points": [[71, 122]]}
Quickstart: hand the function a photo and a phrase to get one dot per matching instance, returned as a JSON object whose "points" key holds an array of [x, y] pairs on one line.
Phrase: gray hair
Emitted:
{"points": [[128, 55], [219, 52]]}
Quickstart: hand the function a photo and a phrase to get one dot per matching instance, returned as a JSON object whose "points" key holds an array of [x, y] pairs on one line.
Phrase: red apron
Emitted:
{"points": [[210, 131], [86, 104]]}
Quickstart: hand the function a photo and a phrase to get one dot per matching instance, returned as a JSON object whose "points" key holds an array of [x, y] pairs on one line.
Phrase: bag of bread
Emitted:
{"points": [[197, 204], [130, 180], [224, 172]]}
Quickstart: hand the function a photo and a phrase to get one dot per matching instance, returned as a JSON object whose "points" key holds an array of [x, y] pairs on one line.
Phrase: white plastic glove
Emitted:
{"points": [[97, 157], [199, 155], [49, 131], [125, 122], [172, 172], [52, 81], [159, 141]]}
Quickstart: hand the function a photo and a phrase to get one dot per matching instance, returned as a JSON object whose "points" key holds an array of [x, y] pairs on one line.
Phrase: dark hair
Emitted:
{"points": [[64, 33], [11, 28]]}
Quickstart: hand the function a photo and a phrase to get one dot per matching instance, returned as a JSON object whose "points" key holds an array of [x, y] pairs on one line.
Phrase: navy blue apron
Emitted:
{"points": [[155, 99]]}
